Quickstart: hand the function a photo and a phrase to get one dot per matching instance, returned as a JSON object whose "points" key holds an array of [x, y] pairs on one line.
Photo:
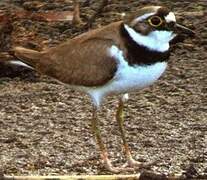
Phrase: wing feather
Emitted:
{"points": [[81, 62]]}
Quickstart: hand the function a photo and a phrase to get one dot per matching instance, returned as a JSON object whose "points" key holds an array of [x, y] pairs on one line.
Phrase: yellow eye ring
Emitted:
{"points": [[155, 21]]}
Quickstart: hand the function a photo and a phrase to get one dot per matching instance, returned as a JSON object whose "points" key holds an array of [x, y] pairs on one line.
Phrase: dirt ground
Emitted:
{"points": [[45, 127]]}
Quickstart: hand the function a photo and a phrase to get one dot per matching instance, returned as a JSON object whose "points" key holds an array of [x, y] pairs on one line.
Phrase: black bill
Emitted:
{"points": [[180, 29]]}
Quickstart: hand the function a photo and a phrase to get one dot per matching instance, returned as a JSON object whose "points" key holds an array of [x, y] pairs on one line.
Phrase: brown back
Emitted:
{"points": [[83, 60]]}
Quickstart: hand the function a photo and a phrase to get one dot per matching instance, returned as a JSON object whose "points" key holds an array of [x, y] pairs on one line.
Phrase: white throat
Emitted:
{"points": [[156, 40]]}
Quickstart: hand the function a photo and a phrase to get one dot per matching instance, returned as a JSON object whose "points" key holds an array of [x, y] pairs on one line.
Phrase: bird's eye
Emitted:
{"points": [[155, 21]]}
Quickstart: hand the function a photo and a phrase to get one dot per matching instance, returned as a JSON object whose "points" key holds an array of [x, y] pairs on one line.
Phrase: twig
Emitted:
{"points": [[145, 175], [106, 177], [98, 12], [76, 14]]}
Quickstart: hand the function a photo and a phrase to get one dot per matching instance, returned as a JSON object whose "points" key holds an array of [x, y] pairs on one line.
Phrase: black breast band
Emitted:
{"points": [[139, 54]]}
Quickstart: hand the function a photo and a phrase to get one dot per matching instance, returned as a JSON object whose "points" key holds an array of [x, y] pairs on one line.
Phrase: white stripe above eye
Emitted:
{"points": [[170, 17], [141, 18]]}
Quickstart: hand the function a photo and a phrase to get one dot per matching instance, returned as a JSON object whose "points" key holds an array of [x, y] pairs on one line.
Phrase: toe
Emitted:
{"points": [[111, 168], [136, 164]]}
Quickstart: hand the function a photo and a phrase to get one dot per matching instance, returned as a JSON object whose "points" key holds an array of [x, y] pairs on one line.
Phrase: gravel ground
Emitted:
{"points": [[45, 127]]}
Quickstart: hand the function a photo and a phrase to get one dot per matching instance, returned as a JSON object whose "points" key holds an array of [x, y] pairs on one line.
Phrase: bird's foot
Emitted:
{"points": [[136, 164], [132, 163], [108, 165]]}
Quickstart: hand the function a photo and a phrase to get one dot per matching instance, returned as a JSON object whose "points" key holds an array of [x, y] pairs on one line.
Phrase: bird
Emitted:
{"points": [[115, 59]]}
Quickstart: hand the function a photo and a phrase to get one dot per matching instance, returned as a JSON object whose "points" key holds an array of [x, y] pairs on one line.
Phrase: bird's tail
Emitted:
{"points": [[28, 56]]}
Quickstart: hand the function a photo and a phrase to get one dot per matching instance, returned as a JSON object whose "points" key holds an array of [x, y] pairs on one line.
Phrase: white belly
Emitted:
{"points": [[127, 78]]}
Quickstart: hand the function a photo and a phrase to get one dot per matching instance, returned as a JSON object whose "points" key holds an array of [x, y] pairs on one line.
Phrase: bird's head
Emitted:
{"points": [[154, 27]]}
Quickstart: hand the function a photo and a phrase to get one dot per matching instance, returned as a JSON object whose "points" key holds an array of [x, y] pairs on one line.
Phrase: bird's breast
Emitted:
{"points": [[131, 77], [128, 78]]}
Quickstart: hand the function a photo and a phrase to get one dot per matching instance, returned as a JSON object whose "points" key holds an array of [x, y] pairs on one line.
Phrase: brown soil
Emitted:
{"points": [[45, 127]]}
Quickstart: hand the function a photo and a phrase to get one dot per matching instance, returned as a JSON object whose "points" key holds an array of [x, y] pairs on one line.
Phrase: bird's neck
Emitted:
{"points": [[139, 54]]}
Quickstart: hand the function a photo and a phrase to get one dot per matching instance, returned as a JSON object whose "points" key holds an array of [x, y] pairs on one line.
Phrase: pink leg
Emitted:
{"points": [[104, 155], [120, 120]]}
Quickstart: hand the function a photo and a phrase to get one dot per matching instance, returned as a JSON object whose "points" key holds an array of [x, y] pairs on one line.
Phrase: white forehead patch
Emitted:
{"points": [[170, 17]]}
